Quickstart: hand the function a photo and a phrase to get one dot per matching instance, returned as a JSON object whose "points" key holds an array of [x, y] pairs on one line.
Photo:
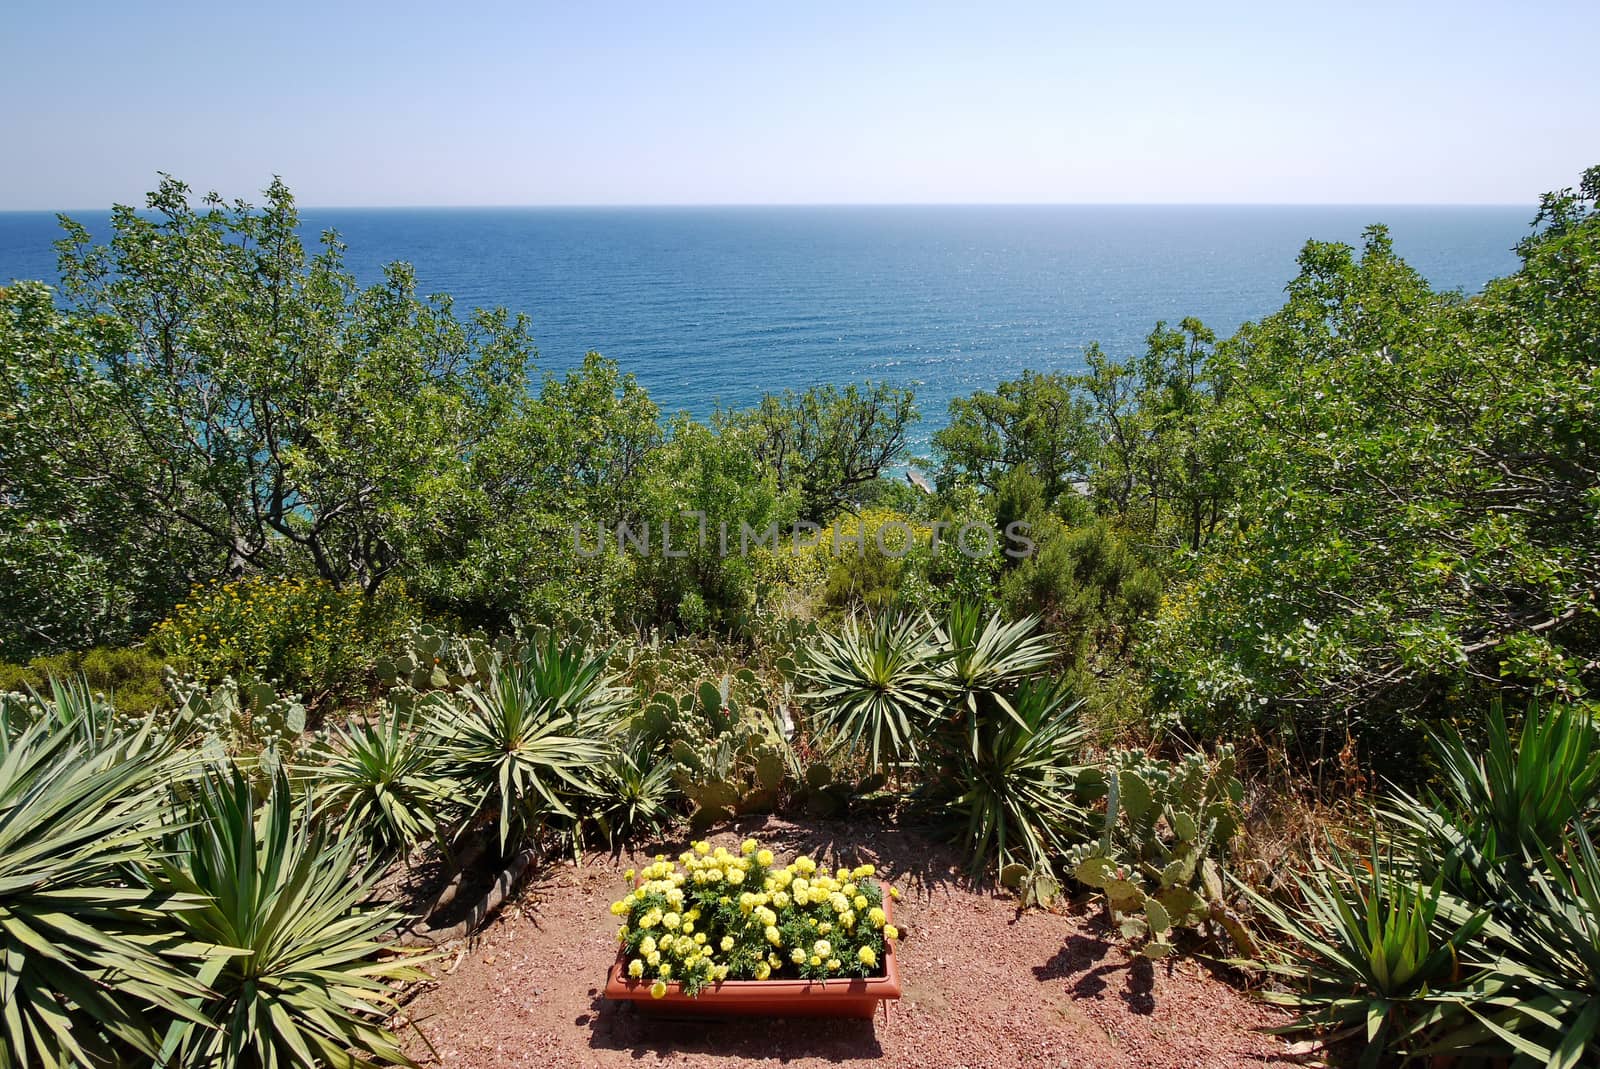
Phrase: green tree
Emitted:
{"points": [[827, 442], [1039, 422], [210, 383]]}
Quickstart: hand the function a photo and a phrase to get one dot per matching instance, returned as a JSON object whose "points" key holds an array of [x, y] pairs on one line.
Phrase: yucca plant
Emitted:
{"points": [[298, 976], [380, 782], [1538, 1001], [1503, 800], [88, 958], [573, 678], [1015, 796], [876, 688], [988, 655], [518, 753], [1369, 946], [637, 797]]}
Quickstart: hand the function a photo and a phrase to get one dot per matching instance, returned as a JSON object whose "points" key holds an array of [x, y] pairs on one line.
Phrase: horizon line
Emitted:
{"points": [[581, 205]]}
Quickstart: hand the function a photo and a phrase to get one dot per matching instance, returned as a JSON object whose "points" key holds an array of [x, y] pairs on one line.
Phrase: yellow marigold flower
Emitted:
{"points": [[702, 847], [891, 932], [735, 876], [658, 989], [699, 938], [636, 968], [727, 943], [877, 917], [647, 945], [666, 972], [780, 899], [863, 871], [764, 858], [774, 936], [894, 893], [824, 928], [833, 964], [622, 934], [797, 956], [671, 921], [628, 875], [618, 908], [653, 958], [866, 957], [860, 902], [763, 970], [815, 961], [822, 948]]}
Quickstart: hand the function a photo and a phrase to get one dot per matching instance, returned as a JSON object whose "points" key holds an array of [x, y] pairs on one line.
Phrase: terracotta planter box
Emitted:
{"points": [[846, 997]]}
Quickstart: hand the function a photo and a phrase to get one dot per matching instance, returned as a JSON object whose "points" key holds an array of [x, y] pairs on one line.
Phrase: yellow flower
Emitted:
{"points": [[891, 932], [702, 847], [748, 847], [815, 961], [658, 989], [863, 871], [671, 921], [894, 893], [727, 942], [822, 948], [636, 968], [763, 970], [774, 936], [866, 957], [877, 917], [618, 908], [797, 955], [764, 858]]}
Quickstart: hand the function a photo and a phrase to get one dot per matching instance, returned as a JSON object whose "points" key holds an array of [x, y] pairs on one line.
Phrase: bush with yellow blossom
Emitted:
{"points": [[303, 634], [715, 915]]}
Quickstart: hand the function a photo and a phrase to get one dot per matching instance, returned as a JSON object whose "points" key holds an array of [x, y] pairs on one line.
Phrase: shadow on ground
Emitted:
{"points": [[618, 1026]]}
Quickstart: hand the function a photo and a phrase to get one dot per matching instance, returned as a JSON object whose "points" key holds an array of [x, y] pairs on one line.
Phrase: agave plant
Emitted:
{"points": [[876, 688], [519, 752], [298, 976], [1370, 948], [1016, 794], [88, 959], [381, 781]]}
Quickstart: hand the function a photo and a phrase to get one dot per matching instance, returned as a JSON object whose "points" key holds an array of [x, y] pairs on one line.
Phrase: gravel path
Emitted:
{"points": [[984, 987]]}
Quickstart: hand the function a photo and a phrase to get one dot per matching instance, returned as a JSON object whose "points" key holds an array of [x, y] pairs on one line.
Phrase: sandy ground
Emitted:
{"points": [[984, 987]]}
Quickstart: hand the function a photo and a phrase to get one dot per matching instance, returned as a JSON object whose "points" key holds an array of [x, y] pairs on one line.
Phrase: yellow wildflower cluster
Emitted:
{"points": [[715, 914]]}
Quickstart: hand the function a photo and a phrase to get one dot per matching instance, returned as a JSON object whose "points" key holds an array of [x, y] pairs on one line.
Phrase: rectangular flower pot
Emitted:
{"points": [[844, 997]]}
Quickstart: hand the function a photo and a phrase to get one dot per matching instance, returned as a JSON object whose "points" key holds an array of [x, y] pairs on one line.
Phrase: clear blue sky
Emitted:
{"points": [[760, 102]]}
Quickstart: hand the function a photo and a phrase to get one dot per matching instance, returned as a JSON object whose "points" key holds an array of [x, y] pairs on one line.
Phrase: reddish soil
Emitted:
{"points": [[984, 987]]}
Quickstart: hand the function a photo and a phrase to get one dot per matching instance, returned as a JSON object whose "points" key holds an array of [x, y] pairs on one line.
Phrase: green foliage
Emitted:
{"points": [[1371, 946], [379, 783], [638, 797], [304, 635], [296, 978], [1504, 798], [726, 758], [524, 742], [89, 958], [875, 687], [1416, 508], [827, 444], [131, 679], [1038, 423], [1015, 787], [1167, 833]]}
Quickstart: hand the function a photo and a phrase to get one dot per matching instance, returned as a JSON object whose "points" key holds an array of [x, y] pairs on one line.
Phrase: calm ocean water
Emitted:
{"points": [[718, 305]]}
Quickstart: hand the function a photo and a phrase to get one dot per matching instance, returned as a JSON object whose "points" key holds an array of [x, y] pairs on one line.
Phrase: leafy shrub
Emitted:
{"points": [[313, 639], [132, 678]]}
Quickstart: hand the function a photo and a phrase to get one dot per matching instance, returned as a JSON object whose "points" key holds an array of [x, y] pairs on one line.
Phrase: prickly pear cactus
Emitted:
{"points": [[246, 722], [431, 659], [727, 758], [1168, 828]]}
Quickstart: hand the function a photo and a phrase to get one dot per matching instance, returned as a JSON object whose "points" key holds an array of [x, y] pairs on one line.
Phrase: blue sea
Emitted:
{"points": [[709, 306]]}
